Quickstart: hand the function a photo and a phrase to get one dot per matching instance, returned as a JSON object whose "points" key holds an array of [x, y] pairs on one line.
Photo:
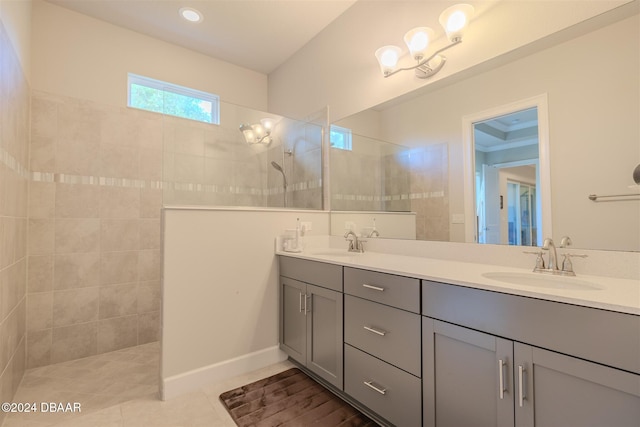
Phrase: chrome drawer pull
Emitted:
{"points": [[375, 288], [502, 388], [300, 302], [371, 386], [521, 388], [375, 331]]}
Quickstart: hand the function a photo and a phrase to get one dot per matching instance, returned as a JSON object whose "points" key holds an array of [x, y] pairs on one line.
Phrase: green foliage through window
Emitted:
{"points": [[166, 98], [340, 137]]}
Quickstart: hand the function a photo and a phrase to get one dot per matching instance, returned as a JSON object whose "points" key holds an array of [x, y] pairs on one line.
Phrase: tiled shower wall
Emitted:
{"points": [[429, 196], [14, 177], [298, 148], [94, 229], [375, 176], [212, 165], [357, 179], [99, 177]]}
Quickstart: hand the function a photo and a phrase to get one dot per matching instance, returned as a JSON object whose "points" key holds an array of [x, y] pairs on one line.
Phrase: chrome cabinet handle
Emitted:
{"points": [[521, 394], [502, 387], [375, 331], [300, 302], [371, 386], [375, 288]]}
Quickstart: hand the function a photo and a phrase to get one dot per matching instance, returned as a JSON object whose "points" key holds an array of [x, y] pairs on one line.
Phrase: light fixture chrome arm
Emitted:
{"points": [[424, 62]]}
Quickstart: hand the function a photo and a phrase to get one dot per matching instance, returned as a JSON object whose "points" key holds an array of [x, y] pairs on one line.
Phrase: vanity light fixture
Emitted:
{"points": [[259, 133], [190, 14], [454, 20]]}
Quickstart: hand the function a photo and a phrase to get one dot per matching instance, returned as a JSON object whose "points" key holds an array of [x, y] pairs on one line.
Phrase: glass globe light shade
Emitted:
{"points": [[417, 41], [455, 19], [388, 58], [267, 124], [258, 130]]}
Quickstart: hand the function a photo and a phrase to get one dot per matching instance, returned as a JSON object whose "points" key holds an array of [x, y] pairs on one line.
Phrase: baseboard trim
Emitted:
{"points": [[180, 384]]}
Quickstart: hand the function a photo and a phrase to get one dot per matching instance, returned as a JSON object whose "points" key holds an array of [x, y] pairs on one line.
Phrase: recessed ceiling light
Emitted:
{"points": [[190, 14]]}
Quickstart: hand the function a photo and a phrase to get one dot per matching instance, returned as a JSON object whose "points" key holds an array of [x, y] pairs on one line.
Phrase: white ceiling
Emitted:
{"points": [[255, 34], [511, 131]]}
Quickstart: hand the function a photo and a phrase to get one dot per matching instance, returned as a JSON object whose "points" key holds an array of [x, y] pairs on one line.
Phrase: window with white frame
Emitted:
{"points": [[340, 137], [166, 98]]}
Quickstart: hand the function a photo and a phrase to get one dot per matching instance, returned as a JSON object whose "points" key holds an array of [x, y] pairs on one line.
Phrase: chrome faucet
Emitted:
{"points": [[548, 245], [355, 244], [552, 266]]}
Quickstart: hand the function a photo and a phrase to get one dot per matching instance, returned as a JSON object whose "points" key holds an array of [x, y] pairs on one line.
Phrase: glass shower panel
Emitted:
{"points": [[215, 165], [370, 176]]}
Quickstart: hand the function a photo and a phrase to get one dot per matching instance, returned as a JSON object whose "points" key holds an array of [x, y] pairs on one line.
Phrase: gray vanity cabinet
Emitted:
{"points": [[412, 353], [483, 380], [559, 390], [311, 322], [489, 378], [383, 344], [293, 321], [468, 377]]}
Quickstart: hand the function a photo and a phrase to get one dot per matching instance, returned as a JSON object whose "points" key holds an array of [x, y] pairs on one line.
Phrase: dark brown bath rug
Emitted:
{"points": [[290, 399]]}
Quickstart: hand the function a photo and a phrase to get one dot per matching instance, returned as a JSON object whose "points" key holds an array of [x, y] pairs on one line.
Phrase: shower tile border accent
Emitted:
{"points": [[102, 181], [403, 196], [13, 164]]}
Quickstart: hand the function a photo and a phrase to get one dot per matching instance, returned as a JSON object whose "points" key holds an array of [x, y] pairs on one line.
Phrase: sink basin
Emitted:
{"points": [[334, 253], [538, 280]]}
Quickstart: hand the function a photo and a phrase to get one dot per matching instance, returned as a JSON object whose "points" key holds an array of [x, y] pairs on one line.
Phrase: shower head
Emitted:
{"points": [[284, 179], [284, 176], [277, 166]]}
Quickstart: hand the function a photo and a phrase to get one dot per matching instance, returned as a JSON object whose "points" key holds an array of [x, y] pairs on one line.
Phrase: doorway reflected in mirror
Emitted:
{"points": [[507, 179]]}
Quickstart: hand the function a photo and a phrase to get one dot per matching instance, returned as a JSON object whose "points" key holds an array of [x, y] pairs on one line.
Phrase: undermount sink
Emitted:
{"points": [[538, 280]]}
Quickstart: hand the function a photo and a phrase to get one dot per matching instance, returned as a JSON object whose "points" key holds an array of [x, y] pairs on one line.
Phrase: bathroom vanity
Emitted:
{"points": [[414, 341]]}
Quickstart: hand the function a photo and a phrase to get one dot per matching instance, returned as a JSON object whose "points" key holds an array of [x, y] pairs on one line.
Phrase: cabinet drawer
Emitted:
{"points": [[388, 333], [398, 398], [317, 273], [396, 291]]}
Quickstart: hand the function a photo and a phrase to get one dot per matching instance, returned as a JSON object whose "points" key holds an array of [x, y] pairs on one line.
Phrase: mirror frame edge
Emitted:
{"points": [[541, 103]]}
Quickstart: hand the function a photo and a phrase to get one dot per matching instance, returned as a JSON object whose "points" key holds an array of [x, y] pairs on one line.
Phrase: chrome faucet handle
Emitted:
{"points": [[539, 260], [565, 242], [567, 265]]}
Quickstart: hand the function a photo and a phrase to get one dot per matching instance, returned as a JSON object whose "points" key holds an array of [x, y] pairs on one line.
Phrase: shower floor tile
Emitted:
{"points": [[120, 389]]}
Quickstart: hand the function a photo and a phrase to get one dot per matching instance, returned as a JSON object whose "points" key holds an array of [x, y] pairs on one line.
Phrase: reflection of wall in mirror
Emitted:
{"points": [[593, 135], [375, 175], [395, 225]]}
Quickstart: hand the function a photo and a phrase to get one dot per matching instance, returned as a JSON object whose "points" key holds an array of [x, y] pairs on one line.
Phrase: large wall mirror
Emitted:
{"points": [[406, 159]]}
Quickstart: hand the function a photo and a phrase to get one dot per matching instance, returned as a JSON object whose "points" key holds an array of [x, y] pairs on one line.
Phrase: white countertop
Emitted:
{"points": [[621, 295]]}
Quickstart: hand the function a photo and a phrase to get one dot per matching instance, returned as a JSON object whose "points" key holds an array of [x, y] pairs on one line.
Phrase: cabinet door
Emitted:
{"points": [[293, 322], [324, 334], [467, 377], [559, 390]]}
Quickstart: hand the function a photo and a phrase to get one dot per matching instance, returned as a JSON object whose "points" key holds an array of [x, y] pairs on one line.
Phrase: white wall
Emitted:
{"points": [[338, 67], [220, 287], [82, 57], [16, 18]]}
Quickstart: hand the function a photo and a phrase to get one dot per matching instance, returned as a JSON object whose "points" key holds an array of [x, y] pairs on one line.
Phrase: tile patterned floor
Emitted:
{"points": [[120, 389]]}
